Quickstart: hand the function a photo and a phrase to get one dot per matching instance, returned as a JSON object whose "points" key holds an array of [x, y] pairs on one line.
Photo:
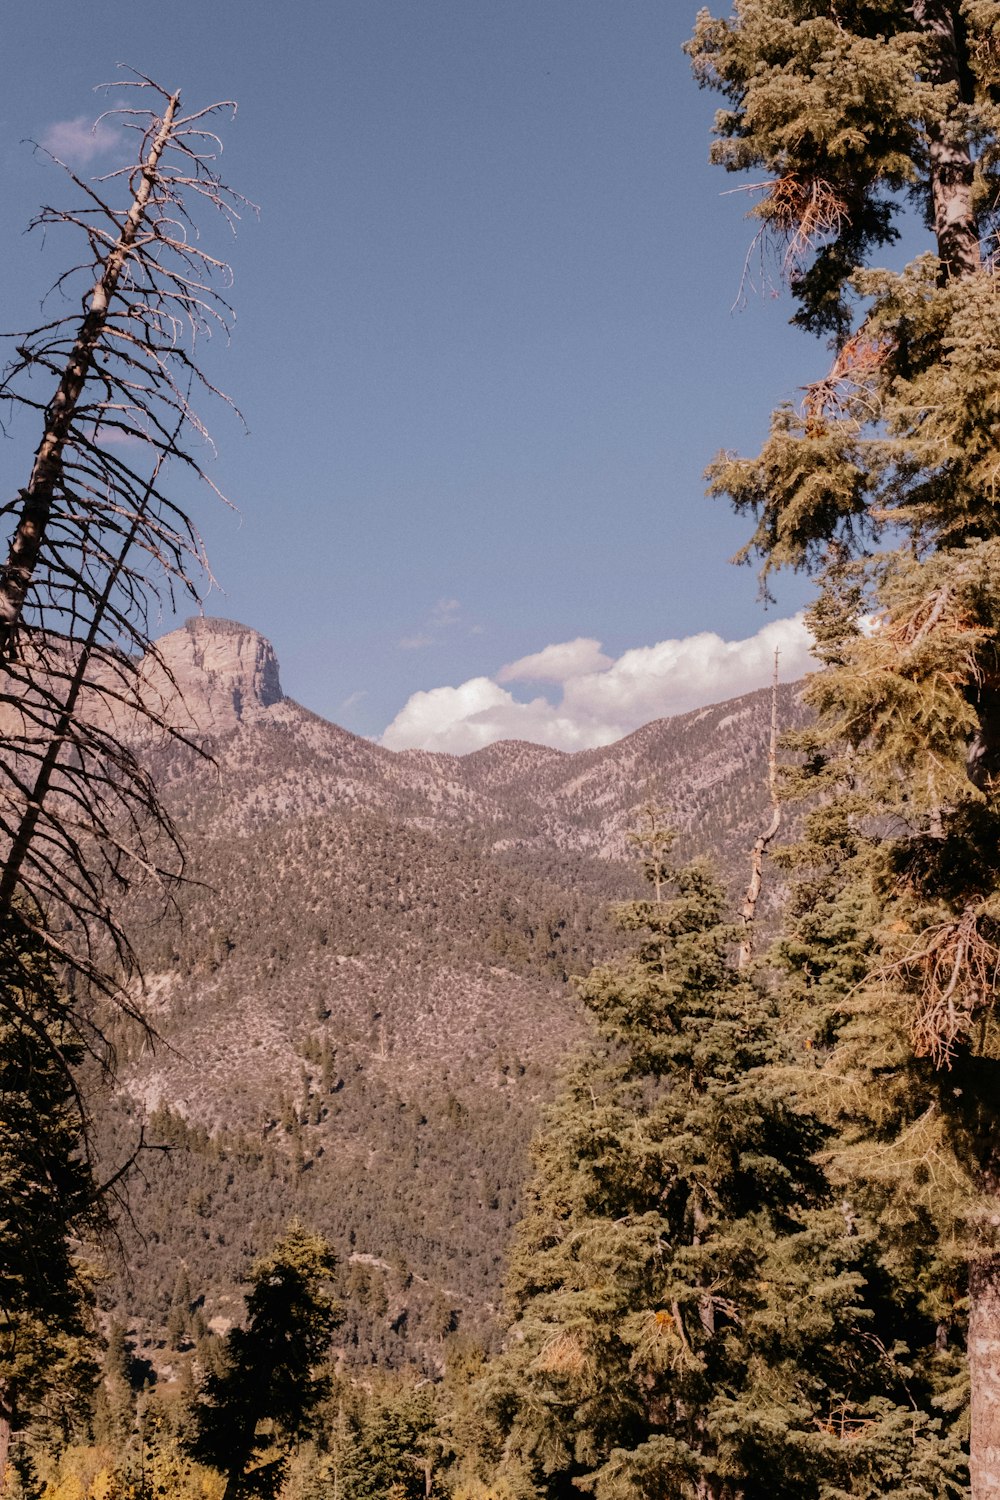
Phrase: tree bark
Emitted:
{"points": [[234, 1484], [6, 1427], [22, 841], [748, 911], [948, 147], [984, 1369], [29, 537]]}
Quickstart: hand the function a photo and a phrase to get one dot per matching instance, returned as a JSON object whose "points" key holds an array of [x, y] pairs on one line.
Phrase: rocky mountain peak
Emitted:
{"points": [[214, 674]]}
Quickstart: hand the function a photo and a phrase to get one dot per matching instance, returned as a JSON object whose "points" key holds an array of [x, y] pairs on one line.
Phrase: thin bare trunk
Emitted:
{"points": [[984, 1368], [96, 541], [6, 1427], [29, 537], [948, 148], [22, 840], [748, 912]]}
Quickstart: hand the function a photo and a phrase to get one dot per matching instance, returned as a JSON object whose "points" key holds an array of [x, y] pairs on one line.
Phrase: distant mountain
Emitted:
{"points": [[365, 1002], [213, 675]]}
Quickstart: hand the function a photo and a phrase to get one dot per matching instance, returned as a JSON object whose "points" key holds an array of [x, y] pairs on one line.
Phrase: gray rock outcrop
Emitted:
{"points": [[211, 676]]}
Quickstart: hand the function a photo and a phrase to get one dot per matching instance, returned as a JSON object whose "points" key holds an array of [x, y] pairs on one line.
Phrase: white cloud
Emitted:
{"points": [[445, 614], [460, 719], [602, 699], [557, 663], [115, 437], [79, 141]]}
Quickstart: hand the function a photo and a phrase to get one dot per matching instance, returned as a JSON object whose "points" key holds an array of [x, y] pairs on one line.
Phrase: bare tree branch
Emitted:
{"points": [[98, 543], [748, 911]]}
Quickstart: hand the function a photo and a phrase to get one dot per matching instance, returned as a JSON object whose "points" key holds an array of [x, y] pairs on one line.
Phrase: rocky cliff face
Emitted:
{"points": [[213, 675]]}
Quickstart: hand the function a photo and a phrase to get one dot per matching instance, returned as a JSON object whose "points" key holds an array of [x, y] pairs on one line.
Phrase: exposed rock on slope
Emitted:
{"points": [[213, 675]]}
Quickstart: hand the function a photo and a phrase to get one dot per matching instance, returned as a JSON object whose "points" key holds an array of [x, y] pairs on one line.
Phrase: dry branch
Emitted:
{"points": [[748, 911], [952, 969], [797, 214], [851, 376], [98, 541]]}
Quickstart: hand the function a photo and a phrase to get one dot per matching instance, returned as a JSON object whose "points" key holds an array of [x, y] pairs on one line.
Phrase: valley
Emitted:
{"points": [[365, 999]]}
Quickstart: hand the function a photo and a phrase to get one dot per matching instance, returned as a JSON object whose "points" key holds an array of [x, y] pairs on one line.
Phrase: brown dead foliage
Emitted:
{"points": [[857, 363], [843, 1424], [802, 211], [563, 1355], [953, 969], [942, 610]]}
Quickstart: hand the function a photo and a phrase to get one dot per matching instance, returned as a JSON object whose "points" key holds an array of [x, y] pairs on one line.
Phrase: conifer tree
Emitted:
{"points": [[695, 1312], [48, 1201], [882, 481], [179, 1317], [383, 1442], [271, 1382]]}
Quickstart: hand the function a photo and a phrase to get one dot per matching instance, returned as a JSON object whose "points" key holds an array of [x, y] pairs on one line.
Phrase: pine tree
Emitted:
{"points": [[883, 483], [48, 1201], [271, 1382], [383, 1443], [179, 1317], [695, 1313]]}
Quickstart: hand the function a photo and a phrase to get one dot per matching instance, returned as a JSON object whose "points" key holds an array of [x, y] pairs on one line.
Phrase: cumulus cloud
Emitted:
{"points": [[79, 141], [558, 663], [460, 719], [602, 699]]}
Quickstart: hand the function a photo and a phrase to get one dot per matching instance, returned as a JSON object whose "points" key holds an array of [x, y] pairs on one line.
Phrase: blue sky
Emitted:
{"points": [[490, 332]]}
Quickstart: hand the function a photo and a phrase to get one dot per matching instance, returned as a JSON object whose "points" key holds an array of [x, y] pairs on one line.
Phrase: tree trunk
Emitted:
{"points": [[234, 1485], [30, 536], [748, 912], [948, 147], [24, 837], [984, 1368], [5, 1433], [983, 758], [951, 176]]}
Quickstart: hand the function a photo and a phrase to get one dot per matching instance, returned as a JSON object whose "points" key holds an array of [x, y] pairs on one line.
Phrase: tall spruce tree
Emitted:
{"points": [[696, 1313], [48, 1203], [883, 481], [250, 1412]]}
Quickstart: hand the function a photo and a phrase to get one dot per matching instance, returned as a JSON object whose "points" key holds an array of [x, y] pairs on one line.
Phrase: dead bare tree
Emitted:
{"points": [[748, 911], [97, 542]]}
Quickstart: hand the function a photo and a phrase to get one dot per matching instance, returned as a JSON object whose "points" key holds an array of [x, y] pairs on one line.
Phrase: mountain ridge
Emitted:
{"points": [[365, 1004], [642, 756]]}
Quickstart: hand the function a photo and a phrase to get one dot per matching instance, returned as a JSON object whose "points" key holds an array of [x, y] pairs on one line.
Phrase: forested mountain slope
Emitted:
{"points": [[365, 1000]]}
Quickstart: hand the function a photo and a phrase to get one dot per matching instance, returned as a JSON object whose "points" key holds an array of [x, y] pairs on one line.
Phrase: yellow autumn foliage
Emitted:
{"points": [[89, 1473]]}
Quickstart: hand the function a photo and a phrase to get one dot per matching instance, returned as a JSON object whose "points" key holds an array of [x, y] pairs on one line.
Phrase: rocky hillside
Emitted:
{"points": [[364, 1004]]}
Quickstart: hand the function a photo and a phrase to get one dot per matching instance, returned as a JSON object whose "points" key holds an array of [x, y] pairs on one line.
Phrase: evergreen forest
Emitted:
{"points": [[542, 1159]]}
